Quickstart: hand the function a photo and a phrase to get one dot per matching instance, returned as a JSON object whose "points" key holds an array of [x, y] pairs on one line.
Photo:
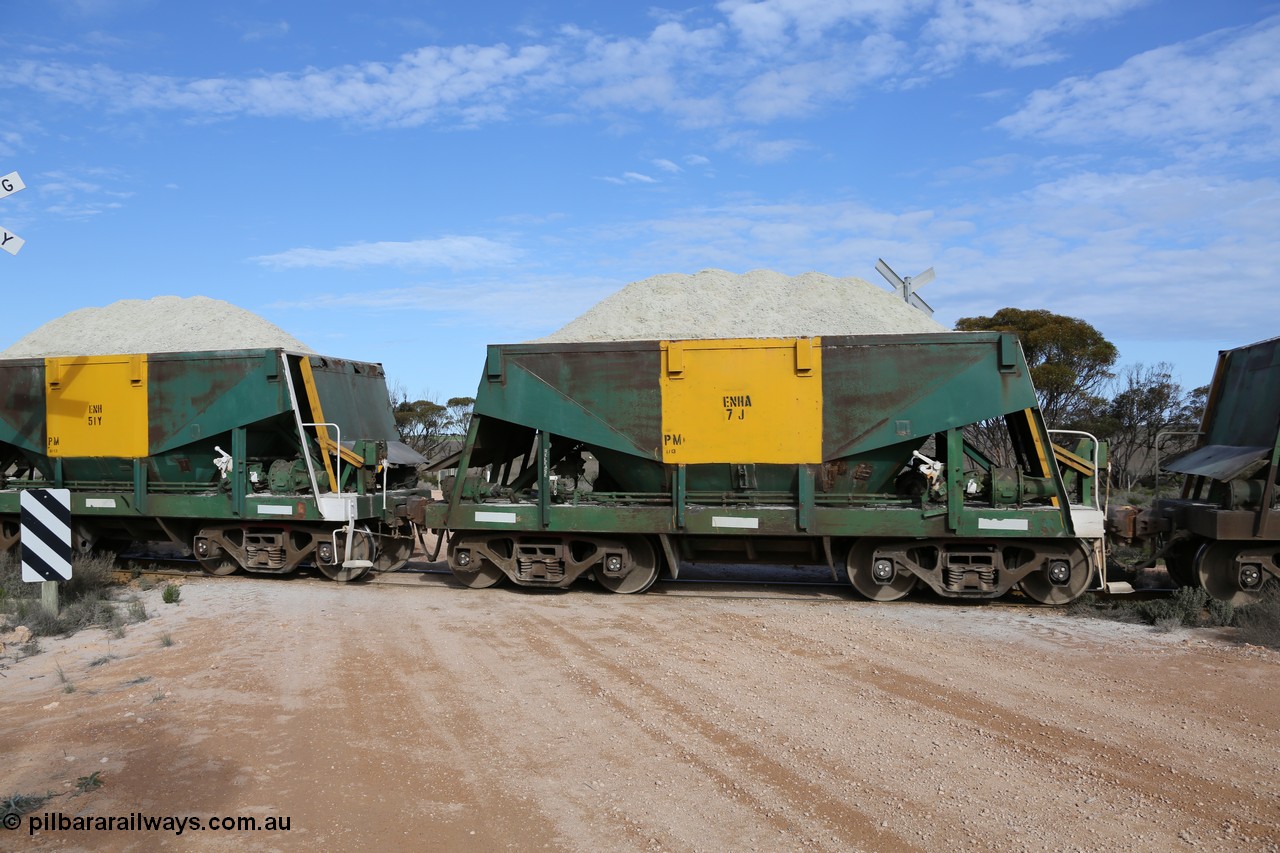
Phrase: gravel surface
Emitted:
{"points": [[758, 304], [697, 717], [162, 324]]}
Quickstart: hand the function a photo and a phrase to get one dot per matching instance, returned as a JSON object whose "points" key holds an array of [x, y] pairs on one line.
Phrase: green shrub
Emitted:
{"points": [[45, 624], [89, 612], [1259, 622], [88, 783], [20, 804], [1184, 607], [85, 599], [12, 586], [90, 573], [172, 592], [1220, 613], [138, 611]]}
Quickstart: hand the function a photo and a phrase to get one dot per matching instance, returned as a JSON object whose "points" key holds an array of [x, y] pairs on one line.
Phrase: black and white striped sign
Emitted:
{"points": [[46, 534]]}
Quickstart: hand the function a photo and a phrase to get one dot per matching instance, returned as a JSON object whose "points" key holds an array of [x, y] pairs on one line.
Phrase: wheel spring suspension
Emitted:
{"points": [[969, 571], [539, 562], [264, 552]]}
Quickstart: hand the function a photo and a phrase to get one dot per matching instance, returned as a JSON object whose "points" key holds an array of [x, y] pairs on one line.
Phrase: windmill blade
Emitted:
{"points": [[922, 279], [916, 302], [889, 275]]}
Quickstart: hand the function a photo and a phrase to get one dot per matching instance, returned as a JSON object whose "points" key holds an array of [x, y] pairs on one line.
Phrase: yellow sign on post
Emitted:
{"points": [[744, 400], [96, 405]]}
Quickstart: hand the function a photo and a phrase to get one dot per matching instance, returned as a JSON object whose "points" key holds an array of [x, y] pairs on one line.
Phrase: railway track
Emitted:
{"points": [[420, 573]]}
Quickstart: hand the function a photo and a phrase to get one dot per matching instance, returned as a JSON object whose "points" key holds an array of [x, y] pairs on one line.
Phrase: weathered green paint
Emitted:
{"points": [[603, 394], [22, 405], [880, 391], [883, 397], [235, 399]]}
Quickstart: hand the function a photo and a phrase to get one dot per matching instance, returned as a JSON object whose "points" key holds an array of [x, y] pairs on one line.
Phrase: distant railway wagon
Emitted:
{"points": [[1223, 531], [257, 459], [905, 460]]}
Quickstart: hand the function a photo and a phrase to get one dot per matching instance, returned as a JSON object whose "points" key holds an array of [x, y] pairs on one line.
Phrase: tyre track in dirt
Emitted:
{"points": [[608, 790], [789, 802], [1149, 777], [510, 719]]}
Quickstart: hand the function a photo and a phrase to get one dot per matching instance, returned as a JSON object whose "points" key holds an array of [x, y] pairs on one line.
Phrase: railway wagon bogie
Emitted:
{"points": [[261, 460], [623, 564], [902, 461]]}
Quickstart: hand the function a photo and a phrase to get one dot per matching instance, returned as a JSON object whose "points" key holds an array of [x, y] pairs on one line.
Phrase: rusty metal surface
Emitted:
{"points": [[1244, 409], [892, 389], [1221, 462]]}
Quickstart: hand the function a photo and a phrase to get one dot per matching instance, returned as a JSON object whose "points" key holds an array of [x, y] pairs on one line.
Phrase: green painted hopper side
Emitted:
{"points": [[194, 396], [194, 402], [605, 395], [886, 390], [1241, 426], [877, 391], [22, 404], [1246, 408], [353, 394]]}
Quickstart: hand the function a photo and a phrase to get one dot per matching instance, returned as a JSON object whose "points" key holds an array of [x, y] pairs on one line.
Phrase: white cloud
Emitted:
{"points": [[1144, 254], [750, 62], [1011, 32], [758, 150], [1156, 254], [630, 178], [1220, 93], [454, 251], [262, 31], [467, 82], [771, 26], [450, 303], [666, 165], [80, 194]]}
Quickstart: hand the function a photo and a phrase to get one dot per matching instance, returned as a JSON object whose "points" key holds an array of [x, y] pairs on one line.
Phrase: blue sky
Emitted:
{"points": [[405, 182]]}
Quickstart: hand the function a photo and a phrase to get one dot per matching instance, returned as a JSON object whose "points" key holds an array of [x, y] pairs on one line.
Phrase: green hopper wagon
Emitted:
{"points": [[257, 459], [900, 459]]}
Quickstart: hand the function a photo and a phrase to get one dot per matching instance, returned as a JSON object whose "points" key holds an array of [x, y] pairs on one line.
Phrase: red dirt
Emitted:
{"points": [[382, 716]]}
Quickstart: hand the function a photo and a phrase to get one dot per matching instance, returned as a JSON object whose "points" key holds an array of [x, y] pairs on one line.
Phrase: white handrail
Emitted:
{"points": [[1097, 492], [337, 470]]}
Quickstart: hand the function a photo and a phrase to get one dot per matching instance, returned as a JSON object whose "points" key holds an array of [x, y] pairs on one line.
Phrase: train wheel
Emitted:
{"points": [[1179, 562], [877, 579], [1061, 581], [220, 566], [393, 554], [211, 558], [482, 578], [469, 567], [9, 535], [361, 552], [643, 573], [1224, 578]]}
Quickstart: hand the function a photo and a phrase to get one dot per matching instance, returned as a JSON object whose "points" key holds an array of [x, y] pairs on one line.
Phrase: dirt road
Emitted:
{"points": [[428, 716]]}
